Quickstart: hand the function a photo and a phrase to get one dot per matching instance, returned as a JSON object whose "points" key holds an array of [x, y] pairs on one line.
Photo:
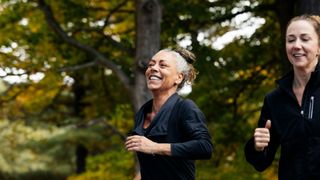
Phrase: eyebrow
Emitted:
{"points": [[161, 60], [303, 34]]}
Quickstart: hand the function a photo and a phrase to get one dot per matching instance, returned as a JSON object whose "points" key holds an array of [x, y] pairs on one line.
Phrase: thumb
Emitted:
{"points": [[268, 124]]}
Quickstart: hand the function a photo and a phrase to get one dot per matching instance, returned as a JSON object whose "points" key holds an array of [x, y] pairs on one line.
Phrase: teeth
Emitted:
{"points": [[297, 55], [154, 78]]}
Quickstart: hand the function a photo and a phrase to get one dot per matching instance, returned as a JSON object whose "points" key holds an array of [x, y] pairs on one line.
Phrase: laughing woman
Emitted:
{"points": [[170, 132], [290, 116]]}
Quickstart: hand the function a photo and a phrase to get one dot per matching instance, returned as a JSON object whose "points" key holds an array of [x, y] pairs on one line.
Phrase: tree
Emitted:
{"points": [[147, 43], [82, 64]]}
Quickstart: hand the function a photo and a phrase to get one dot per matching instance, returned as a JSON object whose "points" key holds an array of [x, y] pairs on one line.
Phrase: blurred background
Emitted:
{"points": [[72, 78]]}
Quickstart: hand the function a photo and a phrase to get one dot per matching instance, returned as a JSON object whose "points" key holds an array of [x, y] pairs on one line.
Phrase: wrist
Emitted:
{"points": [[154, 149]]}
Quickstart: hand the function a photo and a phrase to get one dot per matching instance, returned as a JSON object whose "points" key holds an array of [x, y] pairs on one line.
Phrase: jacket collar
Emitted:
{"points": [[163, 115], [286, 81]]}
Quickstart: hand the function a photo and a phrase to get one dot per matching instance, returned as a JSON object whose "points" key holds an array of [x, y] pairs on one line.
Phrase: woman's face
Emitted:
{"points": [[302, 44], [162, 74]]}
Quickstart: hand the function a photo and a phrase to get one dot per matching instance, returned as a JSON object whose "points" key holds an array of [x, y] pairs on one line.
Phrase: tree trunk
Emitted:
{"points": [[148, 19], [81, 157], [284, 11], [308, 7], [81, 150]]}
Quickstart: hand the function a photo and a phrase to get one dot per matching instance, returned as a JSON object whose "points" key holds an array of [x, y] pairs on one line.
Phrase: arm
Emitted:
{"points": [[142, 144], [260, 153], [193, 132], [197, 140]]}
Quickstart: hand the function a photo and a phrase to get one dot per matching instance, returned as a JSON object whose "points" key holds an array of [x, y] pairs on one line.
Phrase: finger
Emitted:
{"points": [[131, 146], [268, 124], [132, 137], [261, 145], [262, 140], [261, 132]]}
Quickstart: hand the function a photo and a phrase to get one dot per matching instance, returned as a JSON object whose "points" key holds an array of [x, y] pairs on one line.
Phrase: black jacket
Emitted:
{"points": [[295, 128], [180, 123]]}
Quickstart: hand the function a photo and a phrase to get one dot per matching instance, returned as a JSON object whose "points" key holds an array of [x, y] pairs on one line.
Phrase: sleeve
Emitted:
{"points": [[262, 160], [198, 143]]}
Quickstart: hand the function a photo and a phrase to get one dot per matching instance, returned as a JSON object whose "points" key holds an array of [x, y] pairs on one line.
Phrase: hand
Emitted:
{"points": [[262, 136], [140, 144]]}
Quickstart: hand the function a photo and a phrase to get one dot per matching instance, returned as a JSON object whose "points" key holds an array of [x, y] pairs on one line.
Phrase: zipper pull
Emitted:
{"points": [[311, 104]]}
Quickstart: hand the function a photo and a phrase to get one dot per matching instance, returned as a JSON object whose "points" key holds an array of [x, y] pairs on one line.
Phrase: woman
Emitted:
{"points": [[170, 132], [290, 116]]}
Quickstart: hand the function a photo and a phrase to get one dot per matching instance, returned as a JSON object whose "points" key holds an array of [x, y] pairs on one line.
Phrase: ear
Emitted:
{"points": [[179, 78]]}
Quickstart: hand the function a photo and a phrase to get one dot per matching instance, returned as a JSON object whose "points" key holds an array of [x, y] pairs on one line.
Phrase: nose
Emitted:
{"points": [[154, 68], [151, 69], [297, 44]]}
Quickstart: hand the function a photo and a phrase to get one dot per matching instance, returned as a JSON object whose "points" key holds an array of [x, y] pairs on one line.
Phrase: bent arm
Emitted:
{"points": [[261, 160], [197, 143]]}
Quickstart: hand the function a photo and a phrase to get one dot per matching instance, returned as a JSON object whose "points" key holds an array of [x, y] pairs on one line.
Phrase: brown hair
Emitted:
{"points": [[313, 19]]}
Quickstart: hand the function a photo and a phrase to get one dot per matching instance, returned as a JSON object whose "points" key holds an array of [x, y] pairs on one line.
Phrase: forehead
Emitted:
{"points": [[301, 27], [165, 56]]}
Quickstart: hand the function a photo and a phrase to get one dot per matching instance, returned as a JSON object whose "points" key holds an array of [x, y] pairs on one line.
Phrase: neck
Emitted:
{"points": [[301, 78], [300, 81], [302, 75], [159, 99]]}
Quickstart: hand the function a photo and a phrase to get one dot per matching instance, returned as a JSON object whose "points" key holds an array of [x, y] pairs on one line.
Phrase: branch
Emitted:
{"points": [[108, 38], [79, 67], [103, 121], [53, 101], [262, 7], [60, 32], [112, 11]]}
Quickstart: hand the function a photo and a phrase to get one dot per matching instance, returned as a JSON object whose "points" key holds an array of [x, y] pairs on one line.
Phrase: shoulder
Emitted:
{"points": [[145, 107], [187, 103], [187, 106], [274, 93]]}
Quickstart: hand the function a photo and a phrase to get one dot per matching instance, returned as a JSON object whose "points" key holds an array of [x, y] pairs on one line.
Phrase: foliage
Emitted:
{"points": [[64, 94], [16, 161], [114, 164]]}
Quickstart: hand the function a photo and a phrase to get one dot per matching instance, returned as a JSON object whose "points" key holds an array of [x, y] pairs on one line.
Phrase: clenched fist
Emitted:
{"points": [[262, 137]]}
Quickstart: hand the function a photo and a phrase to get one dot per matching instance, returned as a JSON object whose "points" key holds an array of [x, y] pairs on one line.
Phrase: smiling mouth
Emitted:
{"points": [[298, 55], [154, 77]]}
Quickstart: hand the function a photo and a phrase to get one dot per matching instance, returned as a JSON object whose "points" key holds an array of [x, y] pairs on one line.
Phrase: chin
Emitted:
{"points": [[152, 88]]}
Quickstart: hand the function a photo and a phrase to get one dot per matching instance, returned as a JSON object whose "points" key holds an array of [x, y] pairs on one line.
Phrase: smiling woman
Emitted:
{"points": [[290, 113], [170, 132]]}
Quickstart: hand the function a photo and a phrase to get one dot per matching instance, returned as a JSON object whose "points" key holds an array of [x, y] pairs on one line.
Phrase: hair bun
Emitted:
{"points": [[187, 55]]}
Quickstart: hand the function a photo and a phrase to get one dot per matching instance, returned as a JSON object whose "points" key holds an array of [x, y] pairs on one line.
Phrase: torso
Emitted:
{"points": [[148, 119]]}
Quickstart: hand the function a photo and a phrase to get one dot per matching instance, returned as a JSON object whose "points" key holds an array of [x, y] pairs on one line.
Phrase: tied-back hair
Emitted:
{"points": [[185, 60], [313, 19]]}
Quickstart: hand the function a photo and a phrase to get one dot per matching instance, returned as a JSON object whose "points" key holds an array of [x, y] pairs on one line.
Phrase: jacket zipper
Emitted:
{"points": [[311, 104]]}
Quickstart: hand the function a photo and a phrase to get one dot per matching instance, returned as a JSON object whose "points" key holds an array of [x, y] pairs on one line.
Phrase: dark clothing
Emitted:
{"points": [[293, 127], [180, 123]]}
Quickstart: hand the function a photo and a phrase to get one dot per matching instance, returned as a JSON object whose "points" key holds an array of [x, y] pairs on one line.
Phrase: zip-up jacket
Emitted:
{"points": [[295, 128], [180, 123]]}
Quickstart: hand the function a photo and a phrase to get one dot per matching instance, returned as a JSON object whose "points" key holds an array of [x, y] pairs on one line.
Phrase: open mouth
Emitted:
{"points": [[298, 54], [154, 77]]}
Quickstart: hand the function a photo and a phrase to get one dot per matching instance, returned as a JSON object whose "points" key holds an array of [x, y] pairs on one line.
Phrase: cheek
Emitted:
{"points": [[288, 49], [147, 71]]}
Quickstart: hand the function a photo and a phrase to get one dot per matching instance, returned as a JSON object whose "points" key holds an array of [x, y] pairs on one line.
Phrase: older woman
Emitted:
{"points": [[170, 132], [290, 116]]}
